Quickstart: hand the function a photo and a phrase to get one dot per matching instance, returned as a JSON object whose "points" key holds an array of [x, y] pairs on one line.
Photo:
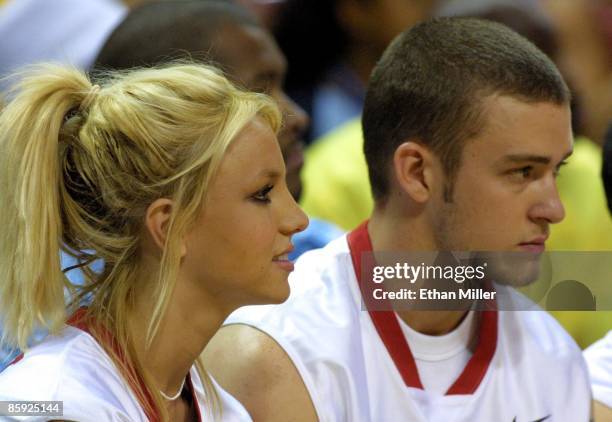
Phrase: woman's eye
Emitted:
{"points": [[262, 195]]}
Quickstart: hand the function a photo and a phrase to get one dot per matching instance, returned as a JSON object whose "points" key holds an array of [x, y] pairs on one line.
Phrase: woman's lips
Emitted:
{"points": [[283, 262]]}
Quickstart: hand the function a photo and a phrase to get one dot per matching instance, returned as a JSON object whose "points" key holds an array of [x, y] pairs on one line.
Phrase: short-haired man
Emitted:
{"points": [[466, 125]]}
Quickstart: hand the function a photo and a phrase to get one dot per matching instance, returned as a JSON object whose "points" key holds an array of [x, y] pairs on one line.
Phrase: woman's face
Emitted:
{"points": [[237, 249]]}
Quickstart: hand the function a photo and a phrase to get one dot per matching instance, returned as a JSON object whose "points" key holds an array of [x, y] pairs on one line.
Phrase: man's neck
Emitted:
{"points": [[391, 231], [394, 233], [432, 323]]}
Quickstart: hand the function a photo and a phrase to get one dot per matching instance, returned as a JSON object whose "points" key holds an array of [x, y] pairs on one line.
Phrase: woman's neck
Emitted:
{"points": [[188, 324]]}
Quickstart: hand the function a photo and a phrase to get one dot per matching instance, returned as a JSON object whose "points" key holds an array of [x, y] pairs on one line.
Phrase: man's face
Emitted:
{"points": [[505, 193], [252, 58]]}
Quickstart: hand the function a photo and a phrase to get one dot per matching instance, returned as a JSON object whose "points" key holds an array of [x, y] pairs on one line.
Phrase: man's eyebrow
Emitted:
{"points": [[532, 158]]}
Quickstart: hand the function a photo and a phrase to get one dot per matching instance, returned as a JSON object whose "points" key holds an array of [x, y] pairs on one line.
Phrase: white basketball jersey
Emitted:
{"points": [[75, 369], [599, 360], [357, 365]]}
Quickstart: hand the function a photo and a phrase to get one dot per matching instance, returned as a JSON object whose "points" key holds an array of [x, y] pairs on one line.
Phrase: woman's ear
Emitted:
{"points": [[157, 221], [412, 165]]}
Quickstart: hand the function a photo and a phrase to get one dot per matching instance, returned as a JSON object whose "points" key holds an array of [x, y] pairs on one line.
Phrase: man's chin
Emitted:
{"points": [[512, 268]]}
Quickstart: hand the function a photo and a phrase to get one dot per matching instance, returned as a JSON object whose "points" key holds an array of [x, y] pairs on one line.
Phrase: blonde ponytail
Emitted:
{"points": [[32, 284]]}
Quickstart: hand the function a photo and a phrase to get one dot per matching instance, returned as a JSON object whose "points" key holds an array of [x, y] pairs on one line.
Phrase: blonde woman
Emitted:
{"points": [[175, 179]]}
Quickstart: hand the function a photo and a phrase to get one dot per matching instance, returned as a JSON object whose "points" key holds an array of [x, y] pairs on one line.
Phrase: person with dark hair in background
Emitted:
{"points": [[466, 126], [211, 31], [348, 37], [227, 35]]}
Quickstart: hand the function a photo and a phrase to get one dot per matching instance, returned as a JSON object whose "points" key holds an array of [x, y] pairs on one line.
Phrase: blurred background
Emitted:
{"points": [[330, 48]]}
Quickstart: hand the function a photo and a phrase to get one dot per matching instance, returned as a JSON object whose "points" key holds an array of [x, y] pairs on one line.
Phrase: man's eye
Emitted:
{"points": [[262, 195], [523, 172]]}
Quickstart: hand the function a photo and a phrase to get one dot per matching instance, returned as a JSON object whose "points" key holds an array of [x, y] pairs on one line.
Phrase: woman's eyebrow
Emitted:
{"points": [[269, 173]]}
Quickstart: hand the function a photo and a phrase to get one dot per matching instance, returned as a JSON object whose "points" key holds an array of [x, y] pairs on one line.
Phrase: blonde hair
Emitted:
{"points": [[80, 164]]}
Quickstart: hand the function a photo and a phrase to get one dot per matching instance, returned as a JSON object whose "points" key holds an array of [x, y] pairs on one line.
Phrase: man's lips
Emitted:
{"points": [[536, 245]]}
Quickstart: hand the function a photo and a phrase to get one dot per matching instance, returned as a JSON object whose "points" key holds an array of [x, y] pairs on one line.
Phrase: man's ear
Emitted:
{"points": [[157, 222], [412, 165]]}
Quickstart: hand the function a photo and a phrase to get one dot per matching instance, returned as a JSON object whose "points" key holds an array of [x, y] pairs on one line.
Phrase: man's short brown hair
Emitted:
{"points": [[430, 84]]}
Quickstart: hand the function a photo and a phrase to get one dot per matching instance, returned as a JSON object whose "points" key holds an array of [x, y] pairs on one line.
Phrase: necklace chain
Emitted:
{"points": [[177, 395]]}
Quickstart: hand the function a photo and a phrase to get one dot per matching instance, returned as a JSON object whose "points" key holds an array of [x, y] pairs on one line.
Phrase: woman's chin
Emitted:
{"points": [[281, 294], [278, 293]]}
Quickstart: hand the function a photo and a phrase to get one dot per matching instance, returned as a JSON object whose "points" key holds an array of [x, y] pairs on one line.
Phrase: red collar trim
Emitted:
{"points": [[390, 333], [17, 359], [79, 321]]}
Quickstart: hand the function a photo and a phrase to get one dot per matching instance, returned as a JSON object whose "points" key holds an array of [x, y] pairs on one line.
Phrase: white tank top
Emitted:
{"points": [[357, 365], [75, 369]]}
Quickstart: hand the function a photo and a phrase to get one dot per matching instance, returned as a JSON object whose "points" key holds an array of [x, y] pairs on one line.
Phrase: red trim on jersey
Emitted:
{"points": [[385, 321], [477, 367], [17, 359], [390, 333], [78, 320]]}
